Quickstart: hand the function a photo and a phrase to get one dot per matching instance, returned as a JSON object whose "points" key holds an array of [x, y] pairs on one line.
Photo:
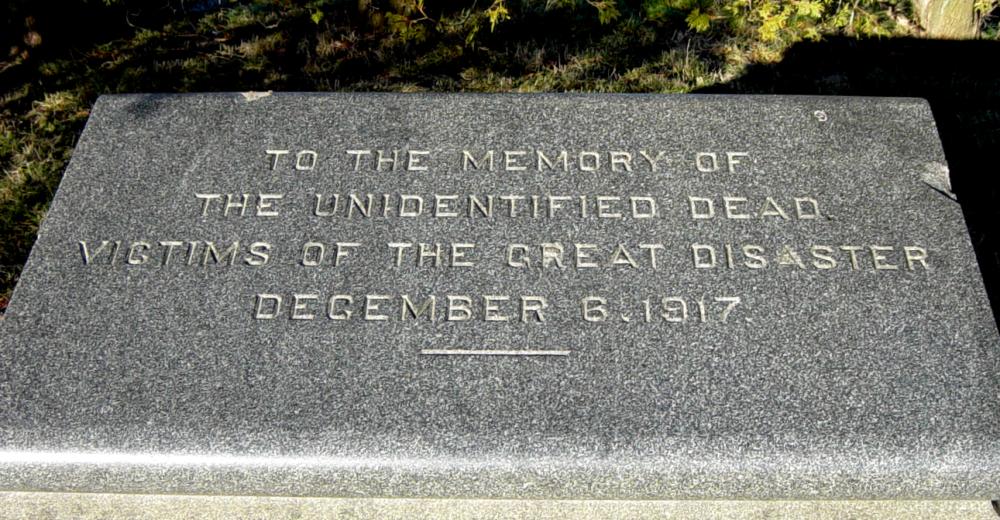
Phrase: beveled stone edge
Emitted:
{"points": [[56, 505]]}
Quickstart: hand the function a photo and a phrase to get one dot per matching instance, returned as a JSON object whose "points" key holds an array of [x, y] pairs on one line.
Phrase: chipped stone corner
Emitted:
{"points": [[252, 95], [938, 176]]}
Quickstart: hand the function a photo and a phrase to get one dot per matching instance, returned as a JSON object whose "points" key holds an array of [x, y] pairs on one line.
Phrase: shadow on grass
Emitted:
{"points": [[959, 79]]}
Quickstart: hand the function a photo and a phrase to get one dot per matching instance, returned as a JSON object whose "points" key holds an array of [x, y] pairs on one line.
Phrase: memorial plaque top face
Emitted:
{"points": [[668, 284]]}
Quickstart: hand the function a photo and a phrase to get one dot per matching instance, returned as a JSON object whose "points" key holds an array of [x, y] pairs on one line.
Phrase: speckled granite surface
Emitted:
{"points": [[77, 506], [813, 326]]}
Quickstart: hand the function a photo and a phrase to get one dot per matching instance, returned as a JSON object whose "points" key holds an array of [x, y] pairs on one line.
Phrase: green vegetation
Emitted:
{"points": [[63, 55]]}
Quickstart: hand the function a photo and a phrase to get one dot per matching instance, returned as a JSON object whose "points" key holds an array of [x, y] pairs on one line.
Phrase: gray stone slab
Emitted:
{"points": [[839, 345]]}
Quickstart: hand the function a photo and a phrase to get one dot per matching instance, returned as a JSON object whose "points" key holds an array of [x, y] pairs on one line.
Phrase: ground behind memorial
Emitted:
{"points": [[49, 81]]}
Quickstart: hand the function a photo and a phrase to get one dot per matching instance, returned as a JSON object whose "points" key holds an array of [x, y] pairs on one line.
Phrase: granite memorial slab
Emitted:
{"points": [[503, 296]]}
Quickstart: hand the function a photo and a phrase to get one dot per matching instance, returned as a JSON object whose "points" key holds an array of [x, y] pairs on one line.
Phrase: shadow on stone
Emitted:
{"points": [[958, 80]]}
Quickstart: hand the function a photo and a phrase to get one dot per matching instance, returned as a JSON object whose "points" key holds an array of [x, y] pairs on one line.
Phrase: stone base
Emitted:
{"points": [[33, 505]]}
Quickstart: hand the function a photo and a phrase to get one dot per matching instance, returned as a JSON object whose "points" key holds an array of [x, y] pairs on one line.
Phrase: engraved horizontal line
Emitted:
{"points": [[466, 352]]}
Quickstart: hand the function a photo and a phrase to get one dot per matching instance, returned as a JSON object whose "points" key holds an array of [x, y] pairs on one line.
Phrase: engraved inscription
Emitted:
{"points": [[614, 233]]}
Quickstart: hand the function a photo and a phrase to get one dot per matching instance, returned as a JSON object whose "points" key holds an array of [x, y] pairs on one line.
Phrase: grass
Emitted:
{"points": [[51, 77]]}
